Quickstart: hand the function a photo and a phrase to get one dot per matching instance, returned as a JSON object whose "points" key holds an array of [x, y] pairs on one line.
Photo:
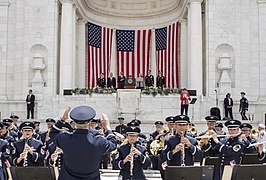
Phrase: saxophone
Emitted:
{"points": [[132, 161], [183, 151]]}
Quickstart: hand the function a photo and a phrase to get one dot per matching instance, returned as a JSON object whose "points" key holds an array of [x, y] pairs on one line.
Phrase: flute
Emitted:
{"points": [[182, 151], [132, 161]]}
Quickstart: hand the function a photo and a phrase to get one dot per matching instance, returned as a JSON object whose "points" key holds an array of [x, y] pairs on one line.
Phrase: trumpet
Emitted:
{"points": [[209, 136]]}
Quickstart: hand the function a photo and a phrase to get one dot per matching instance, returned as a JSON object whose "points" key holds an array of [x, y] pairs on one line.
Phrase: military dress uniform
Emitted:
{"points": [[243, 107], [149, 80], [252, 149], [83, 163], [35, 159], [3, 158], [170, 144], [139, 162], [121, 128], [160, 81], [229, 149]]}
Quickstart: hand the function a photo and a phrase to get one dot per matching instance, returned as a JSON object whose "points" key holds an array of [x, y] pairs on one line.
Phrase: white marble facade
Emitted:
{"points": [[42, 47]]}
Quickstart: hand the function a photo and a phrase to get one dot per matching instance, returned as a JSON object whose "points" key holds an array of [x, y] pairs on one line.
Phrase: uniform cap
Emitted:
{"points": [[121, 118], [27, 125], [170, 119], [211, 118], [159, 122], [14, 117], [7, 121], [132, 130], [181, 119], [219, 125], [50, 120], [245, 126], [82, 114], [232, 123]]}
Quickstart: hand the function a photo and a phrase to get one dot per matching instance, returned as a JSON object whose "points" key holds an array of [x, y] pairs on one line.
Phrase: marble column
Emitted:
{"points": [[81, 53], [183, 54], [153, 57], [195, 47], [66, 46], [4, 4], [262, 45]]}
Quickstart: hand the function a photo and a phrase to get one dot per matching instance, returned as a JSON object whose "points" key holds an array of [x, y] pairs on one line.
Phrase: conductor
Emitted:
{"points": [[83, 150]]}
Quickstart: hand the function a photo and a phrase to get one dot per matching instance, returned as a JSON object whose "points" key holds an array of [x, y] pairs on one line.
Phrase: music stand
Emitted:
{"points": [[251, 159], [193, 101], [184, 172], [32, 173], [248, 172]]}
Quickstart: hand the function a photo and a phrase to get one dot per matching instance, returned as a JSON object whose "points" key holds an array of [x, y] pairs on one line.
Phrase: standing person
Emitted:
{"points": [[121, 128], [30, 104], [83, 163], [160, 80], [132, 157], [139, 82], [228, 105], [184, 100], [101, 81], [243, 107], [149, 79], [111, 81], [121, 81]]}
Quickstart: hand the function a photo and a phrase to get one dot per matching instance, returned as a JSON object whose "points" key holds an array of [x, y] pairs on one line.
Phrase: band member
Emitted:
{"points": [[137, 123], [156, 136], [121, 128], [10, 127], [121, 81], [4, 157], [132, 157], [45, 135], [4, 133], [37, 133], [111, 81], [243, 107], [180, 150], [184, 100], [149, 79], [230, 149], [228, 105], [93, 147], [27, 150], [219, 128], [101, 81], [30, 99], [160, 80], [245, 130]]}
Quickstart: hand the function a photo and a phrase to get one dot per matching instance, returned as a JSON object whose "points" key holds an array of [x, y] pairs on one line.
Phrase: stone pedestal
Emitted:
{"points": [[128, 102]]}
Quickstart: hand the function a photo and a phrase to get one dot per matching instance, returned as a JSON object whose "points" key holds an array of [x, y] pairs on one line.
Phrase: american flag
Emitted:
{"points": [[133, 51], [167, 54], [99, 52]]}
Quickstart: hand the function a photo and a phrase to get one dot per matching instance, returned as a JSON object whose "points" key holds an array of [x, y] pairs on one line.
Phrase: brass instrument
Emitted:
{"points": [[193, 130], [183, 153], [132, 161], [254, 132]]}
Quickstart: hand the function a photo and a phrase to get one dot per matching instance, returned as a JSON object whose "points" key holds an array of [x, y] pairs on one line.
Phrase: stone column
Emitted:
{"points": [[66, 46], [81, 54], [113, 65], [153, 57], [183, 54], [262, 45], [4, 4], [195, 47]]}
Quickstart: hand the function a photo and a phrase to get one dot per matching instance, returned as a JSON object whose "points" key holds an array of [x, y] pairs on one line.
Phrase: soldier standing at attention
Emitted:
{"points": [[149, 79], [243, 107]]}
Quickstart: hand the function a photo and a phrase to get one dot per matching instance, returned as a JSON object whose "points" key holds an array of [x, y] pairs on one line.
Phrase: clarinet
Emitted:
{"points": [[132, 161], [25, 161], [182, 151]]}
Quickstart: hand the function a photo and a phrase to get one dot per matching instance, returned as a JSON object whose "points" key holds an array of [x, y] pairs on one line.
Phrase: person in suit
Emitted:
{"points": [[121, 81], [111, 81], [27, 151], [160, 80], [149, 79], [228, 105], [30, 99], [83, 163], [184, 100], [243, 107], [101, 81], [132, 157]]}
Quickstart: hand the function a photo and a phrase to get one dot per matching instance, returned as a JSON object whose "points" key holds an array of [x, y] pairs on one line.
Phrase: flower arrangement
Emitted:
{"points": [[154, 91]]}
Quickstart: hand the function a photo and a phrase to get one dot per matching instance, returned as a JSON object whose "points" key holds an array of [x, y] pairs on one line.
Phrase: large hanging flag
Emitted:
{"points": [[99, 52], [167, 54], [133, 52]]}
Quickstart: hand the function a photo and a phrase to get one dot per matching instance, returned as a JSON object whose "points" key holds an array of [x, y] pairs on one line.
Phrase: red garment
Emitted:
{"points": [[184, 98]]}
